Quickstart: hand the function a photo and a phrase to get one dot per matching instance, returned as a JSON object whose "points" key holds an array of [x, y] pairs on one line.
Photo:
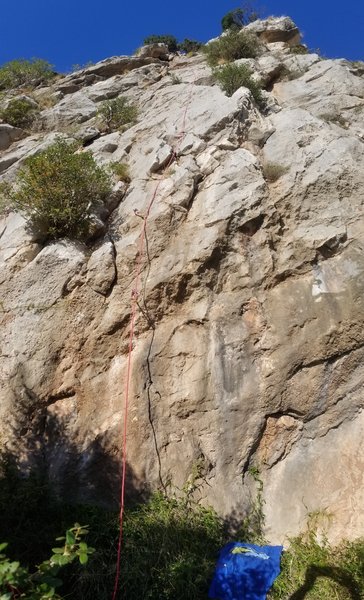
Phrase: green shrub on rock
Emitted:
{"points": [[19, 113], [117, 113], [23, 72], [58, 189], [232, 46], [186, 45], [232, 77], [121, 172], [189, 46], [236, 19], [232, 20], [169, 40]]}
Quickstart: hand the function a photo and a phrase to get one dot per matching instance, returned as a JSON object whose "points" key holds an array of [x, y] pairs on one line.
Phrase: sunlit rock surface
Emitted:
{"points": [[249, 336]]}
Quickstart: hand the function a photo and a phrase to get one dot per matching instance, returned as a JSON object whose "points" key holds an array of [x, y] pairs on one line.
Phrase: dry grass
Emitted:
{"points": [[273, 171], [121, 171]]}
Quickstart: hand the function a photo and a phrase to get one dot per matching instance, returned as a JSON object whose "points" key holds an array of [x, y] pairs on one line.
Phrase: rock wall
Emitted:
{"points": [[249, 343]]}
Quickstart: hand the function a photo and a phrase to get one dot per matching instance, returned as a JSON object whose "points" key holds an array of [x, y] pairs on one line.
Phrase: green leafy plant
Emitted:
{"points": [[17, 581], [58, 189], [121, 171], [236, 19], [118, 113], [273, 171], [232, 77], [169, 40], [19, 113], [73, 547], [231, 46], [23, 72]]}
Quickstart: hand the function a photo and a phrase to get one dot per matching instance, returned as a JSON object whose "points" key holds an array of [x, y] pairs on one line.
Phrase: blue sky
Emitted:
{"points": [[68, 32]]}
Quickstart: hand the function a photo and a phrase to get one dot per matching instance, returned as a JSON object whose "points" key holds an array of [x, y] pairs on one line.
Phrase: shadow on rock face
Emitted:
{"points": [[47, 483], [87, 474], [81, 470]]}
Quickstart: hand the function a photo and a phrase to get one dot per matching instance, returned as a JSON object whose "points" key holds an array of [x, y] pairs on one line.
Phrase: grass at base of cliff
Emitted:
{"points": [[317, 571], [169, 551]]}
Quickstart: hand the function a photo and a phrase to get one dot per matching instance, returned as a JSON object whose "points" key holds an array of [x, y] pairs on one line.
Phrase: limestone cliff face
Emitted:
{"points": [[249, 347]]}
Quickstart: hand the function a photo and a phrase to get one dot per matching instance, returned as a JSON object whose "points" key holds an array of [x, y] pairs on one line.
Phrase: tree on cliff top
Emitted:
{"points": [[237, 18]]}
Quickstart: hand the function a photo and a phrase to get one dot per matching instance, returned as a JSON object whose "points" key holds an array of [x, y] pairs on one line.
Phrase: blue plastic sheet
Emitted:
{"points": [[245, 572]]}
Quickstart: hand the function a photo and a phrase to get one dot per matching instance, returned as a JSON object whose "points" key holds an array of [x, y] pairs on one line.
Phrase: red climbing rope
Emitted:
{"points": [[133, 313]]}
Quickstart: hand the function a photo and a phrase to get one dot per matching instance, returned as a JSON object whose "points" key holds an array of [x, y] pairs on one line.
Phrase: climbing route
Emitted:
{"points": [[142, 258]]}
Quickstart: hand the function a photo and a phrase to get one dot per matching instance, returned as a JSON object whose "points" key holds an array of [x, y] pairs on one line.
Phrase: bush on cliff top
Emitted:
{"points": [[169, 40], [186, 45], [58, 189], [236, 19], [21, 72], [189, 46], [231, 46]]}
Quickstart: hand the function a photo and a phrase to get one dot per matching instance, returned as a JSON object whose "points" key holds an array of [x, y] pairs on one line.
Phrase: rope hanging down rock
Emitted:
{"points": [[139, 263]]}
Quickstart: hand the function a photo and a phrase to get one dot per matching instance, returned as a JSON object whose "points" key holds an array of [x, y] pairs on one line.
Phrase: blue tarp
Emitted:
{"points": [[245, 571]]}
